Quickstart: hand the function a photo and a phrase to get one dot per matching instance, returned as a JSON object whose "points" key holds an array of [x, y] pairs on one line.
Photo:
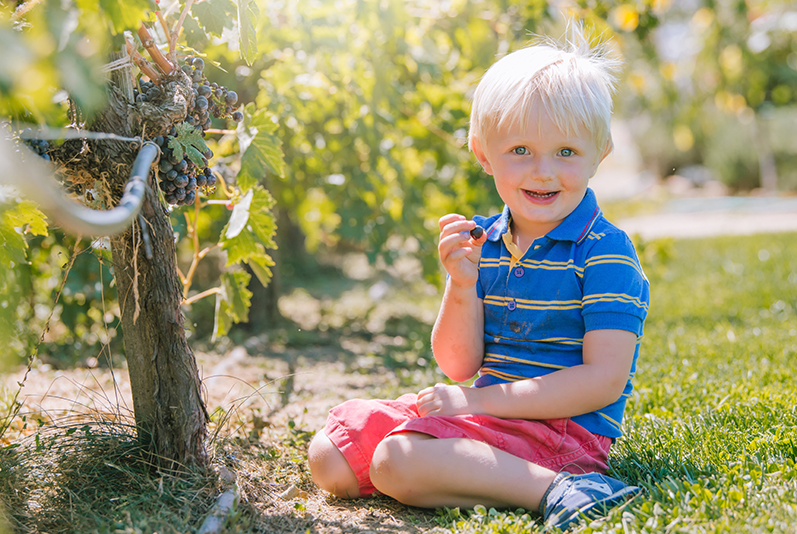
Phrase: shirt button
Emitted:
{"points": [[519, 271], [511, 305]]}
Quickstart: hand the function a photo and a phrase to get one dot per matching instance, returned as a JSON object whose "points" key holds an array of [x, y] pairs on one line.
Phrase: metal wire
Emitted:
{"points": [[34, 179]]}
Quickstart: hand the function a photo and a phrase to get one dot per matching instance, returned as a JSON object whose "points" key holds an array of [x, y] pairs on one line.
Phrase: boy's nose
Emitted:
{"points": [[542, 169]]}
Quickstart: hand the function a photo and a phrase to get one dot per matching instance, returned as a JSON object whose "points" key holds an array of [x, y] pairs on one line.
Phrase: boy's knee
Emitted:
{"points": [[390, 466], [329, 468]]}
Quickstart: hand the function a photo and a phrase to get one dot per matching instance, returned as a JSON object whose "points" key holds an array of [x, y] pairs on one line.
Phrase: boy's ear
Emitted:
{"points": [[607, 149], [476, 146], [605, 152]]}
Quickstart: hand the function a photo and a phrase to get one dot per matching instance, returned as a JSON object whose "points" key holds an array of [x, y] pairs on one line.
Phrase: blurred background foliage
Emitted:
{"points": [[372, 100]]}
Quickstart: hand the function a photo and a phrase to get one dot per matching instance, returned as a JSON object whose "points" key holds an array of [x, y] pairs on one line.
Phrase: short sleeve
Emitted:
{"points": [[616, 292]]}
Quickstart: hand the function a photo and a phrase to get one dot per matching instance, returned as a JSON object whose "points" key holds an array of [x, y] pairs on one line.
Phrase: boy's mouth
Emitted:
{"points": [[541, 195]]}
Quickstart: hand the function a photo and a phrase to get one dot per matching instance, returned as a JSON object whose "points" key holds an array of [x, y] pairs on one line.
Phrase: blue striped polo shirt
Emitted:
{"points": [[583, 275]]}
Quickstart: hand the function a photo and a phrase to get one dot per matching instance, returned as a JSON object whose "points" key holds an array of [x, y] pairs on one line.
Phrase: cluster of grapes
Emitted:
{"points": [[39, 146], [149, 92], [209, 98], [180, 178]]}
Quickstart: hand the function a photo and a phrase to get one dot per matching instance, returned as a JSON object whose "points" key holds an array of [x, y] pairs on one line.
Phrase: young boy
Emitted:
{"points": [[547, 307]]}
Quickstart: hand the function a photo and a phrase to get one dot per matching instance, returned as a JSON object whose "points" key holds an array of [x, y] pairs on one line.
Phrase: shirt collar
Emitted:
{"points": [[575, 227]]}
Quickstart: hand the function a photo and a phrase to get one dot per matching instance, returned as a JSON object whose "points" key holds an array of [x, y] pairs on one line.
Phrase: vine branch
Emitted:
{"points": [[146, 67], [198, 296], [157, 56], [179, 26]]}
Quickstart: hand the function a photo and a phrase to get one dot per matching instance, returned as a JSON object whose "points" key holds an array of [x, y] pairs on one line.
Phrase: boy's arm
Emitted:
{"points": [[458, 333], [598, 382]]}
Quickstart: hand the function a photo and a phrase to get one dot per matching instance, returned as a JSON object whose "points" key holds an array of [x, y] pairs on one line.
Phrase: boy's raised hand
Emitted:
{"points": [[459, 252]]}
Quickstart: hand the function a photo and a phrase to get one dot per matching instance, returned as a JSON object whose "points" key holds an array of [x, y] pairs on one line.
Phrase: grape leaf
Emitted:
{"points": [[177, 148], [240, 216], [22, 218], [232, 302], [261, 266], [262, 150], [195, 156], [256, 234], [247, 39], [214, 16], [260, 223], [12, 247], [26, 213], [126, 14], [194, 35], [188, 142]]}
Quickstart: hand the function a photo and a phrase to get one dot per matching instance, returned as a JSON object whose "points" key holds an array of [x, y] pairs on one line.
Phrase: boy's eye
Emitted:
{"points": [[520, 151], [566, 152]]}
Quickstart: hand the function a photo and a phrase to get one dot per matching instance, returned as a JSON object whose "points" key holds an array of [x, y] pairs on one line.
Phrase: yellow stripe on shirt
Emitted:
{"points": [[498, 358], [534, 304], [614, 297], [610, 420], [614, 258]]}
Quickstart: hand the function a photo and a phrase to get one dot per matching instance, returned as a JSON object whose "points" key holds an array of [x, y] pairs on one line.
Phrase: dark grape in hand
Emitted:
{"points": [[477, 232]]}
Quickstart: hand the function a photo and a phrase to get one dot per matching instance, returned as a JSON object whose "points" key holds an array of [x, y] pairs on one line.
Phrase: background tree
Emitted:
{"points": [[713, 84]]}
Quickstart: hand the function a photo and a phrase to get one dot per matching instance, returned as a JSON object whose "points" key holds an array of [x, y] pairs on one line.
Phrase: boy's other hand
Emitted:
{"points": [[459, 252], [445, 400]]}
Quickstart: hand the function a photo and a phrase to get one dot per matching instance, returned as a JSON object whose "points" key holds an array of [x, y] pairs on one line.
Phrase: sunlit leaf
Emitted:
{"points": [[261, 266], [14, 222], [247, 14], [240, 214], [262, 148], [258, 232], [241, 248], [126, 14], [214, 16], [232, 302], [195, 36], [26, 214], [249, 234]]}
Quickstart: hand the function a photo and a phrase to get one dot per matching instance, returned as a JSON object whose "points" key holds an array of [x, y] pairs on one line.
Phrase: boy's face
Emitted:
{"points": [[541, 174]]}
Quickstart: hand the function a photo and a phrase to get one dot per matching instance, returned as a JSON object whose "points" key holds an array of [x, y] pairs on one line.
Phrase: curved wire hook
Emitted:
{"points": [[34, 180]]}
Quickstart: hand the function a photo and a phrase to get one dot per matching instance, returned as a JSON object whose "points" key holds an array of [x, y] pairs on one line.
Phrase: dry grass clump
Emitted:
{"points": [[79, 475]]}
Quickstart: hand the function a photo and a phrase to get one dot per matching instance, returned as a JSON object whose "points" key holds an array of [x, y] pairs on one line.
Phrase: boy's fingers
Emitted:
{"points": [[445, 220], [460, 226], [458, 254]]}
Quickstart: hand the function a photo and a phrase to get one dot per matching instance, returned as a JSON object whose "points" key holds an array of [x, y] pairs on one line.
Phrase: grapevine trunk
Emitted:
{"points": [[170, 415]]}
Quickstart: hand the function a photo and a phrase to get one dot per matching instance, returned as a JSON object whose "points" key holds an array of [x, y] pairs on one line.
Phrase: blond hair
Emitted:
{"points": [[572, 80]]}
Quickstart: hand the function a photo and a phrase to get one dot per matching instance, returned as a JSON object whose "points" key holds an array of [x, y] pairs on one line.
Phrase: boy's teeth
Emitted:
{"points": [[541, 195]]}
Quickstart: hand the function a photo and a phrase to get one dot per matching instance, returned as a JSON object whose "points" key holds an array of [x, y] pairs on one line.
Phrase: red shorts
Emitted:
{"points": [[357, 426]]}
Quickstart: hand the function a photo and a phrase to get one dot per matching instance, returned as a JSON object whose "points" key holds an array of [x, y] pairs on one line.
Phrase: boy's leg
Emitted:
{"points": [[330, 470], [419, 470]]}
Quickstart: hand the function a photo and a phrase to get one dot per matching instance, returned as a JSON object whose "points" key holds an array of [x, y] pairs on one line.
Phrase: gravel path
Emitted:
{"points": [[703, 217]]}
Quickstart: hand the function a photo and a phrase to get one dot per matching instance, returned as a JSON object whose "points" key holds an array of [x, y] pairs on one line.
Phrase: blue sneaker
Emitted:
{"points": [[590, 495]]}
